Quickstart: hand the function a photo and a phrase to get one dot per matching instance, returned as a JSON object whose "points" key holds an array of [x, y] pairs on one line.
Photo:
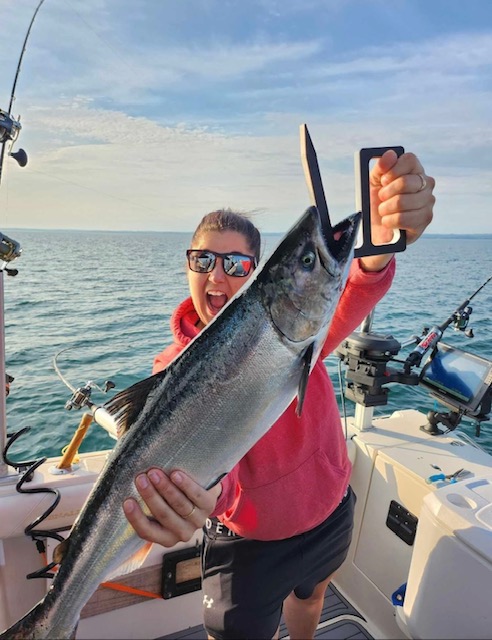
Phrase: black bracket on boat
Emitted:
{"points": [[181, 572], [451, 419], [366, 356]]}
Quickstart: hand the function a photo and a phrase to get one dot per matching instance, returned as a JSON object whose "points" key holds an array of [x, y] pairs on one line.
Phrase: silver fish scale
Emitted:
{"points": [[229, 406], [251, 376]]}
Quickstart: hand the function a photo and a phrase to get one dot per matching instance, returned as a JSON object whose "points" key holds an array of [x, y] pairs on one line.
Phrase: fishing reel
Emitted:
{"points": [[9, 132], [9, 128], [9, 250], [81, 397], [461, 318]]}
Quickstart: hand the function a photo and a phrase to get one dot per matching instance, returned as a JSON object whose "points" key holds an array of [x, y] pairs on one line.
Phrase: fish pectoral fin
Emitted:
{"points": [[60, 551], [307, 357], [126, 405], [212, 484], [133, 563]]}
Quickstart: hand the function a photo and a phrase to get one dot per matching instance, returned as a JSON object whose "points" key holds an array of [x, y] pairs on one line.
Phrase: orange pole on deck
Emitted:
{"points": [[73, 447]]}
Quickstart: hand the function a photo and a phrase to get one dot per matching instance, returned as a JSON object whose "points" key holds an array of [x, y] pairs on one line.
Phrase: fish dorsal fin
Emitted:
{"points": [[125, 406], [133, 563], [306, 368]]}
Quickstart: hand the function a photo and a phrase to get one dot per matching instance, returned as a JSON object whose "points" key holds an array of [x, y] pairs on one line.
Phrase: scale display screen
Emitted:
{"points": [[459, 378]]}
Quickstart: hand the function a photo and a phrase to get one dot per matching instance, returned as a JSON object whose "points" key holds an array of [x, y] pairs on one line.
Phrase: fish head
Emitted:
{"points": [[304, 277]]}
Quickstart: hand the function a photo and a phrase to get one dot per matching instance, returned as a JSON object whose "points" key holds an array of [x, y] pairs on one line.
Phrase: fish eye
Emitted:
{"points": [[308, 260]]}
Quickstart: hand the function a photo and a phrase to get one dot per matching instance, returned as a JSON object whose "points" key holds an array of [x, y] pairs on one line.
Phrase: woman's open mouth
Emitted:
{"points": [[215, 301]]}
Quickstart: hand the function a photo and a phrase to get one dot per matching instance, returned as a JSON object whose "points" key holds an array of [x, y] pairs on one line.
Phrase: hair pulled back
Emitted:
{"points": [[229, 220]]}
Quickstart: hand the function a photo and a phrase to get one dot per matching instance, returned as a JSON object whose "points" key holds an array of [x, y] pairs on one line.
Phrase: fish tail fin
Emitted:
{"points": [[37, 623], [29, 626]]}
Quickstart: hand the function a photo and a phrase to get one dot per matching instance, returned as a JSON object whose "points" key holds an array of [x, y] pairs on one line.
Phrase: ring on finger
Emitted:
{"points": [[423, 182], [190, 514]]}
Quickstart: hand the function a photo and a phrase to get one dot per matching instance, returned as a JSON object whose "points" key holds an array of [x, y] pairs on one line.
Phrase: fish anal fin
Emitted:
{"points": [[134, 562], [307, 356], [125, 406]]}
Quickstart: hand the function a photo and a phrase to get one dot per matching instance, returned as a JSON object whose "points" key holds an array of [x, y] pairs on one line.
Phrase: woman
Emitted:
{"points": [[279, 524]]}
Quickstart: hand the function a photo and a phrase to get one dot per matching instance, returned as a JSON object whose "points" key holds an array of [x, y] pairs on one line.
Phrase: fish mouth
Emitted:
{"points": [[305, 276], [340, 239]]}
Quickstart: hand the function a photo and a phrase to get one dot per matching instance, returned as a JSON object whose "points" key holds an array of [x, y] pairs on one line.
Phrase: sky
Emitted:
{"points": [[145, 115]]}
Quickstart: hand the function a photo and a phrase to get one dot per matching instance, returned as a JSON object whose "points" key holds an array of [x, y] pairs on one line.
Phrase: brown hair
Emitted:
{"points": [[229, 220]]}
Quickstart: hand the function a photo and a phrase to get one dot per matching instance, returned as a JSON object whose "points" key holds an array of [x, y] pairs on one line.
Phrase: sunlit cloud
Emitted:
{"points": [[144, 115]]}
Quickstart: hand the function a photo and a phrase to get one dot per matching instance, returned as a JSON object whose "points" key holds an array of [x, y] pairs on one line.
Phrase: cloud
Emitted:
{"points": [[132, 173], [132, 122], [160, 184]]}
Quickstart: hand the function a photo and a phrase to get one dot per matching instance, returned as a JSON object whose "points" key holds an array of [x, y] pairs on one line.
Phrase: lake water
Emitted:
{"points": [[103, 299]]}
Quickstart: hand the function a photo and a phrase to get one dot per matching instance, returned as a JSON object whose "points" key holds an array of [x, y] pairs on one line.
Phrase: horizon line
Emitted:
{"points": [[61, 229]]}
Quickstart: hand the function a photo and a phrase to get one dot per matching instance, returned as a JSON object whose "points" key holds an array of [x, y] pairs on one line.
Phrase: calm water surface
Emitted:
{"points": [[104, 299]]}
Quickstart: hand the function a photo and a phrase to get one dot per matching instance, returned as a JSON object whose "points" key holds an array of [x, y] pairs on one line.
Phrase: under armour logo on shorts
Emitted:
{"points": [[208, 602]]}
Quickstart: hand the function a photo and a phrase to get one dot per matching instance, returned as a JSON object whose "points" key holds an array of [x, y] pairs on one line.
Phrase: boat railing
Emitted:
{"points": [[4, 470]]}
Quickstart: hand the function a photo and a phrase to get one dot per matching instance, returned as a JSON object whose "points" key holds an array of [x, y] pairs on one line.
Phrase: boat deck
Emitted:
{"points": [[339, 621]]}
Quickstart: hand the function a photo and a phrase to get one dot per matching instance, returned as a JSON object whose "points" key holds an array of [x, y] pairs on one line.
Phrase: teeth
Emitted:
{"points": [[220, 299]]}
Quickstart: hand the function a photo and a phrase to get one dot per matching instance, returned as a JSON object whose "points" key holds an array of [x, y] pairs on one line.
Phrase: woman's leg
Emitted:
{"points": [[245, 583], [302, 616], [324, 550]]}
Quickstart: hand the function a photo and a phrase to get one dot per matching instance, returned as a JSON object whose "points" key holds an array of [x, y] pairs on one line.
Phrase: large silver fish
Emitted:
{"points": [[205, 410]]}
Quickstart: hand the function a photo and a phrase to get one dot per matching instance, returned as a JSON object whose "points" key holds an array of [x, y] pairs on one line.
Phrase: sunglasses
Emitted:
{"points": [[234, 264]]}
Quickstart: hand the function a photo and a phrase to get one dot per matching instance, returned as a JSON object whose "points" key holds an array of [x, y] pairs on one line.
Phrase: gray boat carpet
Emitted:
{"points": [[338, 629]]}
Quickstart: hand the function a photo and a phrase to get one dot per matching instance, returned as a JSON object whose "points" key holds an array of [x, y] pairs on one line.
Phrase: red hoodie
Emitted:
{"points": [[296, 474]]}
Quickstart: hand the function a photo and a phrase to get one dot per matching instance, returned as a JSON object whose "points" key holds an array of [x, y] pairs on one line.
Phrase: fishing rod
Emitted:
{"points": [[459, 318], [9, 132], [9, 249], [367, 355], [9, 126], [81, 396]]}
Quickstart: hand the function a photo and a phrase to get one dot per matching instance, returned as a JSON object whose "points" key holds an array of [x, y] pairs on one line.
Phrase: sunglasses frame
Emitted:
{"points": [[223, 256]]}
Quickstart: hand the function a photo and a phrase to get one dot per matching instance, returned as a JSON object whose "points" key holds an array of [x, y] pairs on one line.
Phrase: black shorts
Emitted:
{"points": [[246, 581]]}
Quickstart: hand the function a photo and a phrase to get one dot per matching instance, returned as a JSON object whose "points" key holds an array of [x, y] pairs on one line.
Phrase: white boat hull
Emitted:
{"points": [[391, 462]]}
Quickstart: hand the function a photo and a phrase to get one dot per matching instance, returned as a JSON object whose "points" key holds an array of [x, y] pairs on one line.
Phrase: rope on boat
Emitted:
{"points": [[116, 586]]}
